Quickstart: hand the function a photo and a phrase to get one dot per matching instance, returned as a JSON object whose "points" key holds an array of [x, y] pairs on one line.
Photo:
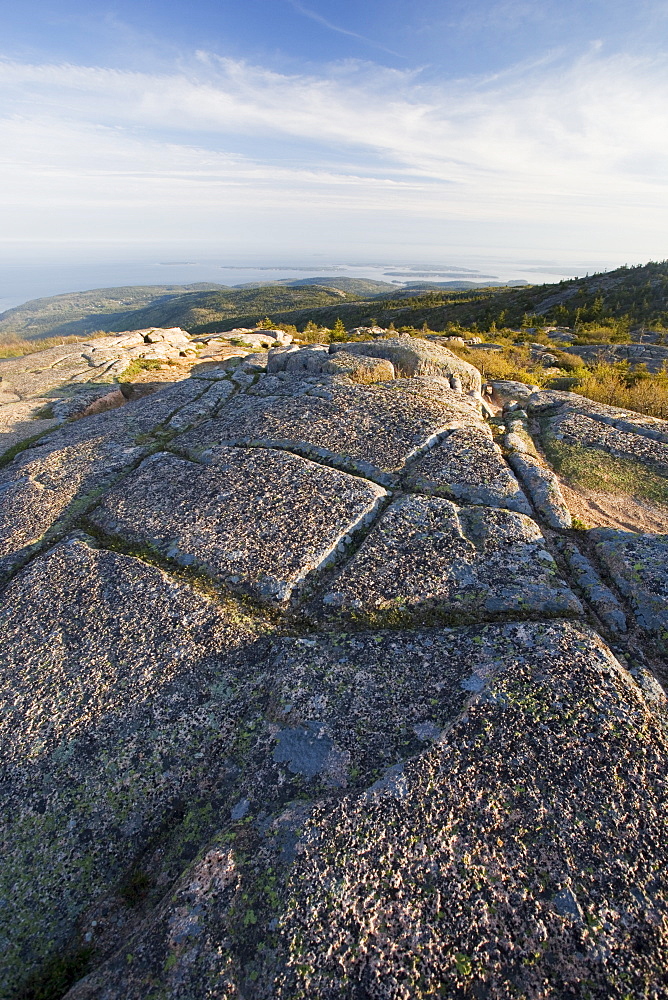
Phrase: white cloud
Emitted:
{"points": [[579, 148]]}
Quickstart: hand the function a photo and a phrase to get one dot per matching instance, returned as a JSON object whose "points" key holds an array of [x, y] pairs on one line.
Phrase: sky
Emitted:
{"points": [[401, 129]]}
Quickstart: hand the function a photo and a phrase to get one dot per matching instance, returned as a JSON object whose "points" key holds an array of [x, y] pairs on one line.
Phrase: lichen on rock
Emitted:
{"points": [[302, 694]]}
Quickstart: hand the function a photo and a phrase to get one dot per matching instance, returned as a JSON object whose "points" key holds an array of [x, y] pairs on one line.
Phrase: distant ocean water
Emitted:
{"points": [[29, 273]]}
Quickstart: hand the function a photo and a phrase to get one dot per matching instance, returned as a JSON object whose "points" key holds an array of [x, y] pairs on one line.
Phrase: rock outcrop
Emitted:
{"points": [[653, 356], [39, 391], [413, 356], [305, 693]]}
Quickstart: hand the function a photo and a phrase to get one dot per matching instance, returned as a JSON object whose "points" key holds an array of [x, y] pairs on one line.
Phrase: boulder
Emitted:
{"points": [[415, 356]]}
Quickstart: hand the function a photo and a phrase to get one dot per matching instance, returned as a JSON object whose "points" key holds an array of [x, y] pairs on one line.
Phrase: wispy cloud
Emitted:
{"points": [[554, 148], [319, 19]]}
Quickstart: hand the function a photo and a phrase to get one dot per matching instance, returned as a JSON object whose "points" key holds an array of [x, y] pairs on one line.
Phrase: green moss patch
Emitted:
{"points": [[596, 470]]}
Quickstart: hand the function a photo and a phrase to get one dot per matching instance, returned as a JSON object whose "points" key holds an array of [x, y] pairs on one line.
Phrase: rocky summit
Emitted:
{"points": [[312, 686]]}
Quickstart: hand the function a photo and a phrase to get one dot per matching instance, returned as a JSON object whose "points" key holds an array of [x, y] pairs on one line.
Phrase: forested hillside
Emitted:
{"points": [[83, 312], [621, 300], [618, 301]]}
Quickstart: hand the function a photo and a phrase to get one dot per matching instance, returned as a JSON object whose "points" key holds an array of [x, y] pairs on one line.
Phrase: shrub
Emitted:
{"points": [[314, 334], [622, 385], [513, 363]]}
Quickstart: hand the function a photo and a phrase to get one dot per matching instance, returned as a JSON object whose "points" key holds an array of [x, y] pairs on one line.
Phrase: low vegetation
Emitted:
{"points": [[18, 347], [596, 471], [630, 387]]}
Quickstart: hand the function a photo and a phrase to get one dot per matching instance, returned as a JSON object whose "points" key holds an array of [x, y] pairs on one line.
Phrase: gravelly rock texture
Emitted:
{"points": [[515, 859], [468, 466], [261, 521], [61, 381], [427, 554], [512, 855], [46, 486], [313, 788], [116, 691], [373, 430]]}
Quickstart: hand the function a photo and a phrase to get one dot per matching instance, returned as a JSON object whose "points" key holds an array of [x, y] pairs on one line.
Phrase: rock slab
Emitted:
{"points": [[428, 555], [259, 520]]}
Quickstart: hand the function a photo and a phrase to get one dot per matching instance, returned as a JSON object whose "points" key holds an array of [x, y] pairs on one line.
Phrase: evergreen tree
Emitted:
{"points": [[339, 331]]}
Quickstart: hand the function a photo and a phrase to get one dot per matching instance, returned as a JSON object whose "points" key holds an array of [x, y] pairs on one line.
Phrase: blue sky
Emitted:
{"points": [[267, 126]]}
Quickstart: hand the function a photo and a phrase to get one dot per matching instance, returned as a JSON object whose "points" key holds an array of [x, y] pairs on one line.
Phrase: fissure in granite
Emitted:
{"points": [[403, 741]]}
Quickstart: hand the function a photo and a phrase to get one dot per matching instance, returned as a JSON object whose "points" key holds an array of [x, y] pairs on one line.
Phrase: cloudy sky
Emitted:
{"points": [[271, 125]]}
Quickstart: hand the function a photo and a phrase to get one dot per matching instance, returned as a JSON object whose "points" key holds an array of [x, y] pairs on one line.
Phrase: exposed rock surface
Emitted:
{"points": [[467, 465], [249, 338], [40, 390], [114, 686], [543, 487], [47, 487], [317, 359], [639, 565], [427, 554], [261, 521], [416, 356], [370, 430], [582, 430], [557, 405], [279, 719]]}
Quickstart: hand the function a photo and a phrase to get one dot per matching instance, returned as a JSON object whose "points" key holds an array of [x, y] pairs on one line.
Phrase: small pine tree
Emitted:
{"points": [[265, 324], [338, 331]]}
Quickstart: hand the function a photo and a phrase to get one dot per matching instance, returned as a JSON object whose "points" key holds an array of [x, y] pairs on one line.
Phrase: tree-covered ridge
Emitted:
{"points": [[83, 312], [621, 300], [627, 298]]}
